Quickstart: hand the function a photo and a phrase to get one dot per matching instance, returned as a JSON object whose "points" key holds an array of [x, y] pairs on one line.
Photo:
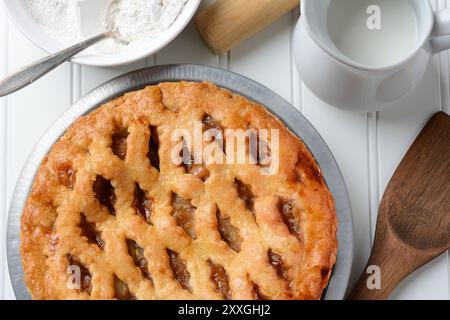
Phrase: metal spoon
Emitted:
{"points": [[90, 23], [29, 74]]}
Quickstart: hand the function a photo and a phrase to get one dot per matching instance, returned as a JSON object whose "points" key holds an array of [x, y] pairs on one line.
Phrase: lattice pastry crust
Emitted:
{"points": [[109, 202]]}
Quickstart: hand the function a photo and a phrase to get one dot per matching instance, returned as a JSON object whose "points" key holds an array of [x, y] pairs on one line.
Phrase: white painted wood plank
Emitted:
{"points": [[92, 77], [296, 81], [428, 283], [374, 170], [76, 86], [187, 48], [398, 127], [3, 128], [444, 64], [266, 57], [32, 110], [8, 290]]}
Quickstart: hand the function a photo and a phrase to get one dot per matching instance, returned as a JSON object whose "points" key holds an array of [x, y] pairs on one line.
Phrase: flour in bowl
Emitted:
{"points": [[137, 21]]}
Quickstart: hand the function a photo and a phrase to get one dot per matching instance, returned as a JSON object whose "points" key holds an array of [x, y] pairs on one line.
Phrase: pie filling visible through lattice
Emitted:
{"points": [[111, 216]]}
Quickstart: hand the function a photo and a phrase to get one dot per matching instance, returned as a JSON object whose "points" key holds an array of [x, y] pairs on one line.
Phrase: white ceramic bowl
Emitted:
{"points": [[27, 25]]}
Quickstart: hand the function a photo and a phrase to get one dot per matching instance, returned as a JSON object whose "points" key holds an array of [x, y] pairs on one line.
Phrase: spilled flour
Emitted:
{"points": [[137, 21]]}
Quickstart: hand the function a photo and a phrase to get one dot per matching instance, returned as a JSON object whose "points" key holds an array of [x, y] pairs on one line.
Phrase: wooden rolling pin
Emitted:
{"points": [[226, 23]]}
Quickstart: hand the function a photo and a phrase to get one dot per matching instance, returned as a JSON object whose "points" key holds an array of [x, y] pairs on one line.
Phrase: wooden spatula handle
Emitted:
{"points": [[227, 23], [386, 263], [393, 259]]}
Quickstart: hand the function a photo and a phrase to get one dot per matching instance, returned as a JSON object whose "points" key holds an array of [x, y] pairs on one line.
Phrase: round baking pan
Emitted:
{"points": [[231, 81]]}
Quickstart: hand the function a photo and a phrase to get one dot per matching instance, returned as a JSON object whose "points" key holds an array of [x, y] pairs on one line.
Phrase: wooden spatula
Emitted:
{"points": [[414, 219]]}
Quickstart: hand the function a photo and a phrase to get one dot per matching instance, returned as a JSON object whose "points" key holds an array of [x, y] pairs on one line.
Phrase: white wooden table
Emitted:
{"points": [[368, 147]]}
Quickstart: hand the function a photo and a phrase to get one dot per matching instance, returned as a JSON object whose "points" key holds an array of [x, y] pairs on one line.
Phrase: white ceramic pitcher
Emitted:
{"points": [[346, 84]]}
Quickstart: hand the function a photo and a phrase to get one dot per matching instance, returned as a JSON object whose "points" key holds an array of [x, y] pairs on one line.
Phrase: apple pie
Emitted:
{"points": [[111, 215]]}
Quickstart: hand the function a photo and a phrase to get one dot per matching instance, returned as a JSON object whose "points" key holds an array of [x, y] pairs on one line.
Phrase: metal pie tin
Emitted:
{"points": [[236, 83]]}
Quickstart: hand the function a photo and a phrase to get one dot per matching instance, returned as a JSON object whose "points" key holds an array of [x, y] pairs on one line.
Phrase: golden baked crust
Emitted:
{"points": [[109, 201]]}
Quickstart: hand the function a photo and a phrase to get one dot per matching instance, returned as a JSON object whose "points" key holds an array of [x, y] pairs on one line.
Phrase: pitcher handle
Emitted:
{"points": [[441, 33]]}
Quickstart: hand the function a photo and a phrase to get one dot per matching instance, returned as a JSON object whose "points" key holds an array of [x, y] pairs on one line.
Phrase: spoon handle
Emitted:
{"points": [[29, 74]]}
